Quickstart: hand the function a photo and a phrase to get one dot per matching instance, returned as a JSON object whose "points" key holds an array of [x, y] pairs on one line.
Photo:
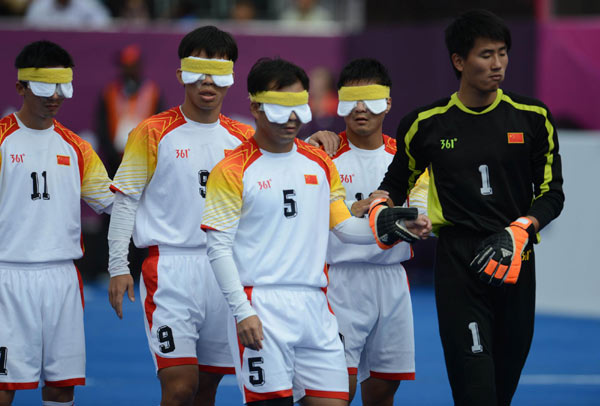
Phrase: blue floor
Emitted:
{"points": [[563, 368]]}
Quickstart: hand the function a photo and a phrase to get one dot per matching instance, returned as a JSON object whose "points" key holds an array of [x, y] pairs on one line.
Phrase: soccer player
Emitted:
{"points": [[495, 182], [46, 170], [160, 190], [270, 204], [368, 287]]}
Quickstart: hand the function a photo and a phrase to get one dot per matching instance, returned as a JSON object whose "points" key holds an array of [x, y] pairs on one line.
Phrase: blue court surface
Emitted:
{"points": [[563, 368]]}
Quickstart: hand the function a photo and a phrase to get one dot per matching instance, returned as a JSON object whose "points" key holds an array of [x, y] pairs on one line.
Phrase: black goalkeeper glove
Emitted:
{"points": [[498, 258], [388, 225]]}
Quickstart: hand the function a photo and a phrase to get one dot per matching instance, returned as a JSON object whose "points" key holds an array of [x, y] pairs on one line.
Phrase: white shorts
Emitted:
{"points": [[42, 336], [302, 352], [373, 307], [185, 312]]}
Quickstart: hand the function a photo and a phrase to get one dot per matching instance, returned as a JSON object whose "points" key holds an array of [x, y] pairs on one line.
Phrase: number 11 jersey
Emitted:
{"points": [[44, 174]]}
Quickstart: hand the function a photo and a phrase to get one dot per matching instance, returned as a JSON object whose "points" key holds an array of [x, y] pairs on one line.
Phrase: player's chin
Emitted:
{"points": [[288, 132]]}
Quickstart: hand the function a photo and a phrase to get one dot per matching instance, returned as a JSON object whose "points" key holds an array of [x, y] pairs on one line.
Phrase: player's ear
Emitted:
{"points": [[254, 109], [389, 105], [20, 88], [457, 61], [179, 78]]}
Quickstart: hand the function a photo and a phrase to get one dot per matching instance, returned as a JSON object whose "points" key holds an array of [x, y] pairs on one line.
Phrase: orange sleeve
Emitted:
{"points": [[223, 205], [139, 158]]}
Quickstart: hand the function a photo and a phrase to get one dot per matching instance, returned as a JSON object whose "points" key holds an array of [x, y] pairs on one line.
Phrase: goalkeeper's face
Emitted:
{"points": [[484, 67]]}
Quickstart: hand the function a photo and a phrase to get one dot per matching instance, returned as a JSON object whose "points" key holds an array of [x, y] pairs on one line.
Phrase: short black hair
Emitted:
{"points": [[43, 54], [367, 69], [274, 74], [462, 33], [211, 40]]}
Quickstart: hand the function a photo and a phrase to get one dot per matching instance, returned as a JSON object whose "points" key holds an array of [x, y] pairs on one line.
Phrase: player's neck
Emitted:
{"points": [[275, 146], [471, 97], [207, 116], [371, 141], [32, 121]]}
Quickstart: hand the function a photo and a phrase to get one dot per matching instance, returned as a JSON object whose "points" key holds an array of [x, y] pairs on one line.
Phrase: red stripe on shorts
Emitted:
{"points": [[17, 386], [115, 189], [217, 370], [248, 290], [327, 394], [80, 287], [404, 376], [66, 382], [352, 371], [150, 274], [327, 300], [162, 362], [255, 397]]}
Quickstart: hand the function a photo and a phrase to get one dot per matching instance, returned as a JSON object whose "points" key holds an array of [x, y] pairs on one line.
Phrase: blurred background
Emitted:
{"points": [[125, 53]]}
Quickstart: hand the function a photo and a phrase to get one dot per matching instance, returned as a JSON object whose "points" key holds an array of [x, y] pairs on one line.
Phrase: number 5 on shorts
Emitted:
{"points": [[257, 374], [3, 351]]}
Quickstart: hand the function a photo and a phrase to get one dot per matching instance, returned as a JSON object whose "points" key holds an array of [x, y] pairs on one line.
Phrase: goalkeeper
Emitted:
{"points": [[495, 181]]}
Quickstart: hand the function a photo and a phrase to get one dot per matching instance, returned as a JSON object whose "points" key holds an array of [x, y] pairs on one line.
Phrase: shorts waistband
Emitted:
{"points": [[297, 288], [34, 266], [170, 250], [362, 266]]}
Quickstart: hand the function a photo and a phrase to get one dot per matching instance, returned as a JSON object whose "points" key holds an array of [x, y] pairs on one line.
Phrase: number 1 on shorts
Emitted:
{"points": [[476, 347]]}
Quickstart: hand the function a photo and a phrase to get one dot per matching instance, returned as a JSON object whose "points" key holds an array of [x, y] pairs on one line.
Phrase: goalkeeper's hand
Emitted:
{"points": [[388, 223], [498, 258]]}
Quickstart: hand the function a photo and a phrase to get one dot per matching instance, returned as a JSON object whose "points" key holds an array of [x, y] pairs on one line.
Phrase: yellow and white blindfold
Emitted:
{"points": [[194, 69], [279, 106], [44, 82], [373, 96]]}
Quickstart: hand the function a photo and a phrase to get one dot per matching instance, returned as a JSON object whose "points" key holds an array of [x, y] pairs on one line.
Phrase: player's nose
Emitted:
{"points": [[208, 80], [361, 107]]}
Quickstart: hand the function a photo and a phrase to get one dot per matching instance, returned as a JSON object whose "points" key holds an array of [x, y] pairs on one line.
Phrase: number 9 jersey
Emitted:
{"points": [[165, 166]]}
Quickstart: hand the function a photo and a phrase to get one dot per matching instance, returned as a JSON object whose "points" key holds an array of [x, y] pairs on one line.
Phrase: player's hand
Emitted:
{"points": [[384, 194], [420, 227], [327, 140], [250, 333], [116, 290], [389, 223], [498, 258], [361, 207]]}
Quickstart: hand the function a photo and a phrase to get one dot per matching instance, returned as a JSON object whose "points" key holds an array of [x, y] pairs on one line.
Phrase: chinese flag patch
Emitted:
{"points": [[63, 160], [311, 179], [516, 138]]}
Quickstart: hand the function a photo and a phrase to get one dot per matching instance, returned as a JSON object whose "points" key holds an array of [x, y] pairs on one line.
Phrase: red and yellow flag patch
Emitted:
{"points": [[516, 138], [63, 160], [311, 179]]}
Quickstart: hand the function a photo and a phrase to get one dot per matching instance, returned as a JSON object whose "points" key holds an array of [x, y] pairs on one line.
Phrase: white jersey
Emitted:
{"points": [[166, 165], [361, 172], [43, 176], [280, 208]]}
